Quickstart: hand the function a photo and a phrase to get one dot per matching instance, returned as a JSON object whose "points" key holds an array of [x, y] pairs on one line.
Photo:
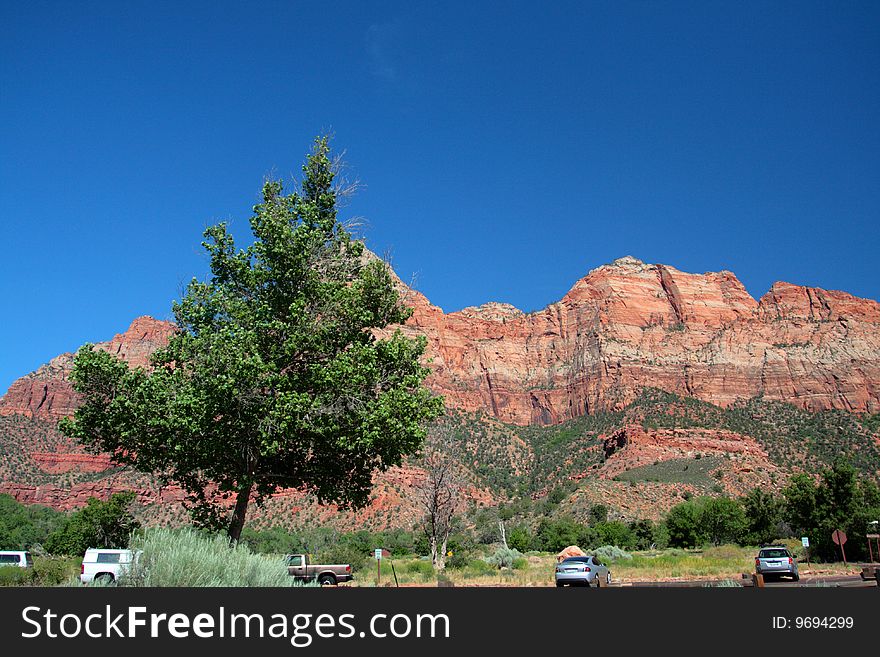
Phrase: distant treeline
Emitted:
{"points": [[840, 499]]}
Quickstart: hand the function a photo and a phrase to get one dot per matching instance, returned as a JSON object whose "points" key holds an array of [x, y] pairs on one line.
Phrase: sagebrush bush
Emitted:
{"points": [[188, 558], [724, 584], [504, 557], [610, 553]]}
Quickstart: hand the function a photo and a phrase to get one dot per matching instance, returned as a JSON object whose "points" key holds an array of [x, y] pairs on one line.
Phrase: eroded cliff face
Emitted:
{"points": [[629, 325], [46, 393], [624, 326]]}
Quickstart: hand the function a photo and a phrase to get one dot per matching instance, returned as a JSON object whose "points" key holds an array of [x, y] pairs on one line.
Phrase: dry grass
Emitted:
{"points": [[726, 562]]}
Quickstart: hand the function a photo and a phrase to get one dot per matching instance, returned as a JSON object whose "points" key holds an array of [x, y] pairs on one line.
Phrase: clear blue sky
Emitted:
{"points": [[507, 148]]}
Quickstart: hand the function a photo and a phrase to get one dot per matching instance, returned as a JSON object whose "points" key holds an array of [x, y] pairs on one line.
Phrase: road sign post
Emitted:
{"points": [[839, 538], [805, 541], [378, 554]]}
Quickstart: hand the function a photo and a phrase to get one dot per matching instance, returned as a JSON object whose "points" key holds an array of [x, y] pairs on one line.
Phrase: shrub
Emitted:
{"points": [[419, 568], [682, 522], [520, 563], [610, 553], [478, 568], [15, 576], [598, 513], [612, 533], [503, 557], [189, 558], [724, 583], [24, 526], [554, 535], [53, 571], [722, 520]]}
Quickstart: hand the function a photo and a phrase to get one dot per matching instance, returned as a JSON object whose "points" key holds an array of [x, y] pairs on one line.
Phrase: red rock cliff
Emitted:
{"points": [[624, 326], [628, 325], [46, 392]]}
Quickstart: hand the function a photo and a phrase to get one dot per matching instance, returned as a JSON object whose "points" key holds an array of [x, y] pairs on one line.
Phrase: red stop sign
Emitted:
{"points": [[838, 537]]}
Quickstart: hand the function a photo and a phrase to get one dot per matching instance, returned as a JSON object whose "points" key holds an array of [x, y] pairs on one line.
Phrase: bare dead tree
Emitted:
{"points": [[439, 492]]}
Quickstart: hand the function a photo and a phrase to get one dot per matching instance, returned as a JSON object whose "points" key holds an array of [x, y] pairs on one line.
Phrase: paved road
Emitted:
{"points": [[847, 581]]}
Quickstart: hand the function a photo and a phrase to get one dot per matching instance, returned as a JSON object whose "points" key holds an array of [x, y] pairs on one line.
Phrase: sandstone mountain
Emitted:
{"points": [[628, 325], [565, 387]]}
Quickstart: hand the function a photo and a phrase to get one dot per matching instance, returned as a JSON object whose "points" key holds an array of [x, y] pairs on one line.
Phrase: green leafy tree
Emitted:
{"points": [[99, 524], [840, 500], [683, 525], [24, 526], [520, 539], [598, 513], [614, 533], [763, 516], [554, 535], [276, 376], [721, 520], [645, 533]]}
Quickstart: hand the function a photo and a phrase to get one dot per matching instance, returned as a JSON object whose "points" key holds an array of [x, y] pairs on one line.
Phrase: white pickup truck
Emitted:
{"points": [[106, 566]]}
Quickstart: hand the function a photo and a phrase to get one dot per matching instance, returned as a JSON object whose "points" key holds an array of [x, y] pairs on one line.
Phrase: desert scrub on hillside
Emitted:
{"points": [[188, 558], [696, 472]]}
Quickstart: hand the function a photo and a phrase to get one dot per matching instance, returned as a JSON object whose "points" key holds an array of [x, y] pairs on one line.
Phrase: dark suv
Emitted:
{"points": [[776, 560]]}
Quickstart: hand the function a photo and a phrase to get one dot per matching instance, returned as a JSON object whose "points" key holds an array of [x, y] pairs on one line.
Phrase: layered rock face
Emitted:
{"points": [[46, 393], [634, 446], [623, 327], [630, 325]]}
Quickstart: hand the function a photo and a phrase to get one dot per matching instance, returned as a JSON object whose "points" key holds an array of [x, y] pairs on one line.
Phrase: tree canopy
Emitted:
{"points": [[98, 524], [840, 500], [275, 377]]}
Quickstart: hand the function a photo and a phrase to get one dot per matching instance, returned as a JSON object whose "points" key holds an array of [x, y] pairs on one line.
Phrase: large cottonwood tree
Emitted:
{"points": [[275, 377]]}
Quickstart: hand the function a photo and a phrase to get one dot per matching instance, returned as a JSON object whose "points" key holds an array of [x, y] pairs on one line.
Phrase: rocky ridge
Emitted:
{"points": [[623, 327]]}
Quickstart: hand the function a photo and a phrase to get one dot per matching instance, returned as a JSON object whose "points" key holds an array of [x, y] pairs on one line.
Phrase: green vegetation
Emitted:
{"points": [[99, 524], [695, 472], [189, 558], [22, 527], [47, 571], [764, 516], [275, 377], [504, 557], [792, 436], [841, 500], [519, 462]]}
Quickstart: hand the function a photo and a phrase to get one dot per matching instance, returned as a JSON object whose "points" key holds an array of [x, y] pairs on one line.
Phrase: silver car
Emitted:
{"points": [[582, 571], [776, 560]]}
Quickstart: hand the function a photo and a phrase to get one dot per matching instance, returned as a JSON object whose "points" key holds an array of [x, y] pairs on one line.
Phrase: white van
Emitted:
{"points": [[20, 558], [106, 566]]}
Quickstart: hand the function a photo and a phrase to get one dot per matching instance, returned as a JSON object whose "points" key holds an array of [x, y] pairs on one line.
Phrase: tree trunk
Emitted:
{"points": [[434, 552], [441, 561], [239, 514]]}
